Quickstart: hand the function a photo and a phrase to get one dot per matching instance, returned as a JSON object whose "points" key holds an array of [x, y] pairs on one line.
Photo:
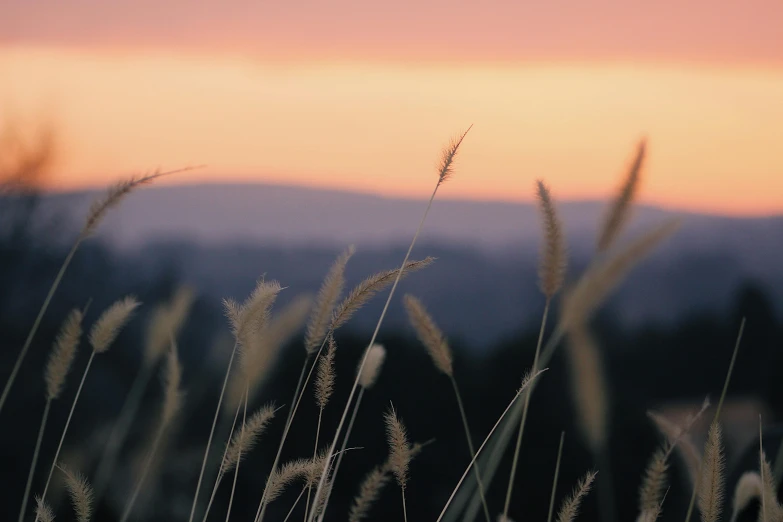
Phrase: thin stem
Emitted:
{"points": [[239, 453], [342, 450], [145, 471], [212, 432], [554, 482], [717, 416], [761, 469], [499, 448], [315, 454], [37, 322], [120, 431], [30, 475], [489, 435], [404, 507], [296, 503], [222, 461], [296, 397], [470, 446], [65, 429], [321, 481], [522, 422], [262, 504]]}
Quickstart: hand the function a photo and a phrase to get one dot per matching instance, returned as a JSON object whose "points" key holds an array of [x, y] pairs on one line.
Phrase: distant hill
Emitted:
{"points": [[483, 286], [213, 214]]}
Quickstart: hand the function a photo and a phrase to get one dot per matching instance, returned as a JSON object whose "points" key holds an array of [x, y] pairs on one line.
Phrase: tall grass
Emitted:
{"points": [[259, 332]]}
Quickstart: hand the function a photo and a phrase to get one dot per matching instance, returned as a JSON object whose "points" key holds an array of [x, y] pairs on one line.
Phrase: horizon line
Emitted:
{"points": [[202, 183]]}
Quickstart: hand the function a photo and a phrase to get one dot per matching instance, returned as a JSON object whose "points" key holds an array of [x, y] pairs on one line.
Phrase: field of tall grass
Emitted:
{"points": [[299, 482]]}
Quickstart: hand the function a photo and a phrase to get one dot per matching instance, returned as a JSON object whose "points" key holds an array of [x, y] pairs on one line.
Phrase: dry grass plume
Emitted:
{"points": [[109, 324], [570, 507], [250, 317], [654, 485], [446, 166], [43, 511], [325, 376], [328, 295], [80, 493], [553, 259], [172, 379], [748, 489], [114, 195], [372, 367], [399, 447], [589, 386], [62, 355], [429, 334], [712, 483], [365, 290], [580, 303], [619, 211], [246, 438]]}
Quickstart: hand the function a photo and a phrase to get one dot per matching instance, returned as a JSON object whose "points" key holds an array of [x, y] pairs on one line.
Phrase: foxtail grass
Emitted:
{"points": [[698, 489], [57, 369], [619, 211], [80, 492], [246, 320], [552, 268], [438, 347], [166, 322], [324, 387], [445, 171], [97, 212], [367, 378], [102, 335], [355, 299], [570, 507], [399, 453]]}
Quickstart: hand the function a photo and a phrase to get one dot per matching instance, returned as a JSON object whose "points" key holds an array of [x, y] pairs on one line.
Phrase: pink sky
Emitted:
{"points": [[361, 95]]}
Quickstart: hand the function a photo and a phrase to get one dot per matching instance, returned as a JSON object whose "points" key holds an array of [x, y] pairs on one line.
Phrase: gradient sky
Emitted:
{"points": [[362, 95]]}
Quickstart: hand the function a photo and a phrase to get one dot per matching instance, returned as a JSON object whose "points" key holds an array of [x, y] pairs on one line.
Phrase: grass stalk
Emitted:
{"points": [[37, 451], [486, 440], [212, 432], [525, 408], [145, 471], [239, 455], [717, 417], [404, 507], [262, 504], [37, 322], [222, 460], [120, 431], [465, 425], [342, 448], [296, 503], [554, 481], [332, 447], [114, 196], [65, 429], [315, 454]]}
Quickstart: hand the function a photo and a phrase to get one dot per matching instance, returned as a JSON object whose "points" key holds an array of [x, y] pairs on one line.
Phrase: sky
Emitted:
{"points": [[362, 96]]}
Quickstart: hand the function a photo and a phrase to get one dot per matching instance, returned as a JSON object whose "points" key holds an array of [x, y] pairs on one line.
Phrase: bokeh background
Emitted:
{"points": [[319, 125]]}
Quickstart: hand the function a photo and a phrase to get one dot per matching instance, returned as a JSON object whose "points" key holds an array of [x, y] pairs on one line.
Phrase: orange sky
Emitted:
{"points": [[365, 112]]}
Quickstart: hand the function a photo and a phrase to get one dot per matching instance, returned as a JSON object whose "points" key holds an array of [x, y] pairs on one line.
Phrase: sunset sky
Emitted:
{"points": [[362, 95]]}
